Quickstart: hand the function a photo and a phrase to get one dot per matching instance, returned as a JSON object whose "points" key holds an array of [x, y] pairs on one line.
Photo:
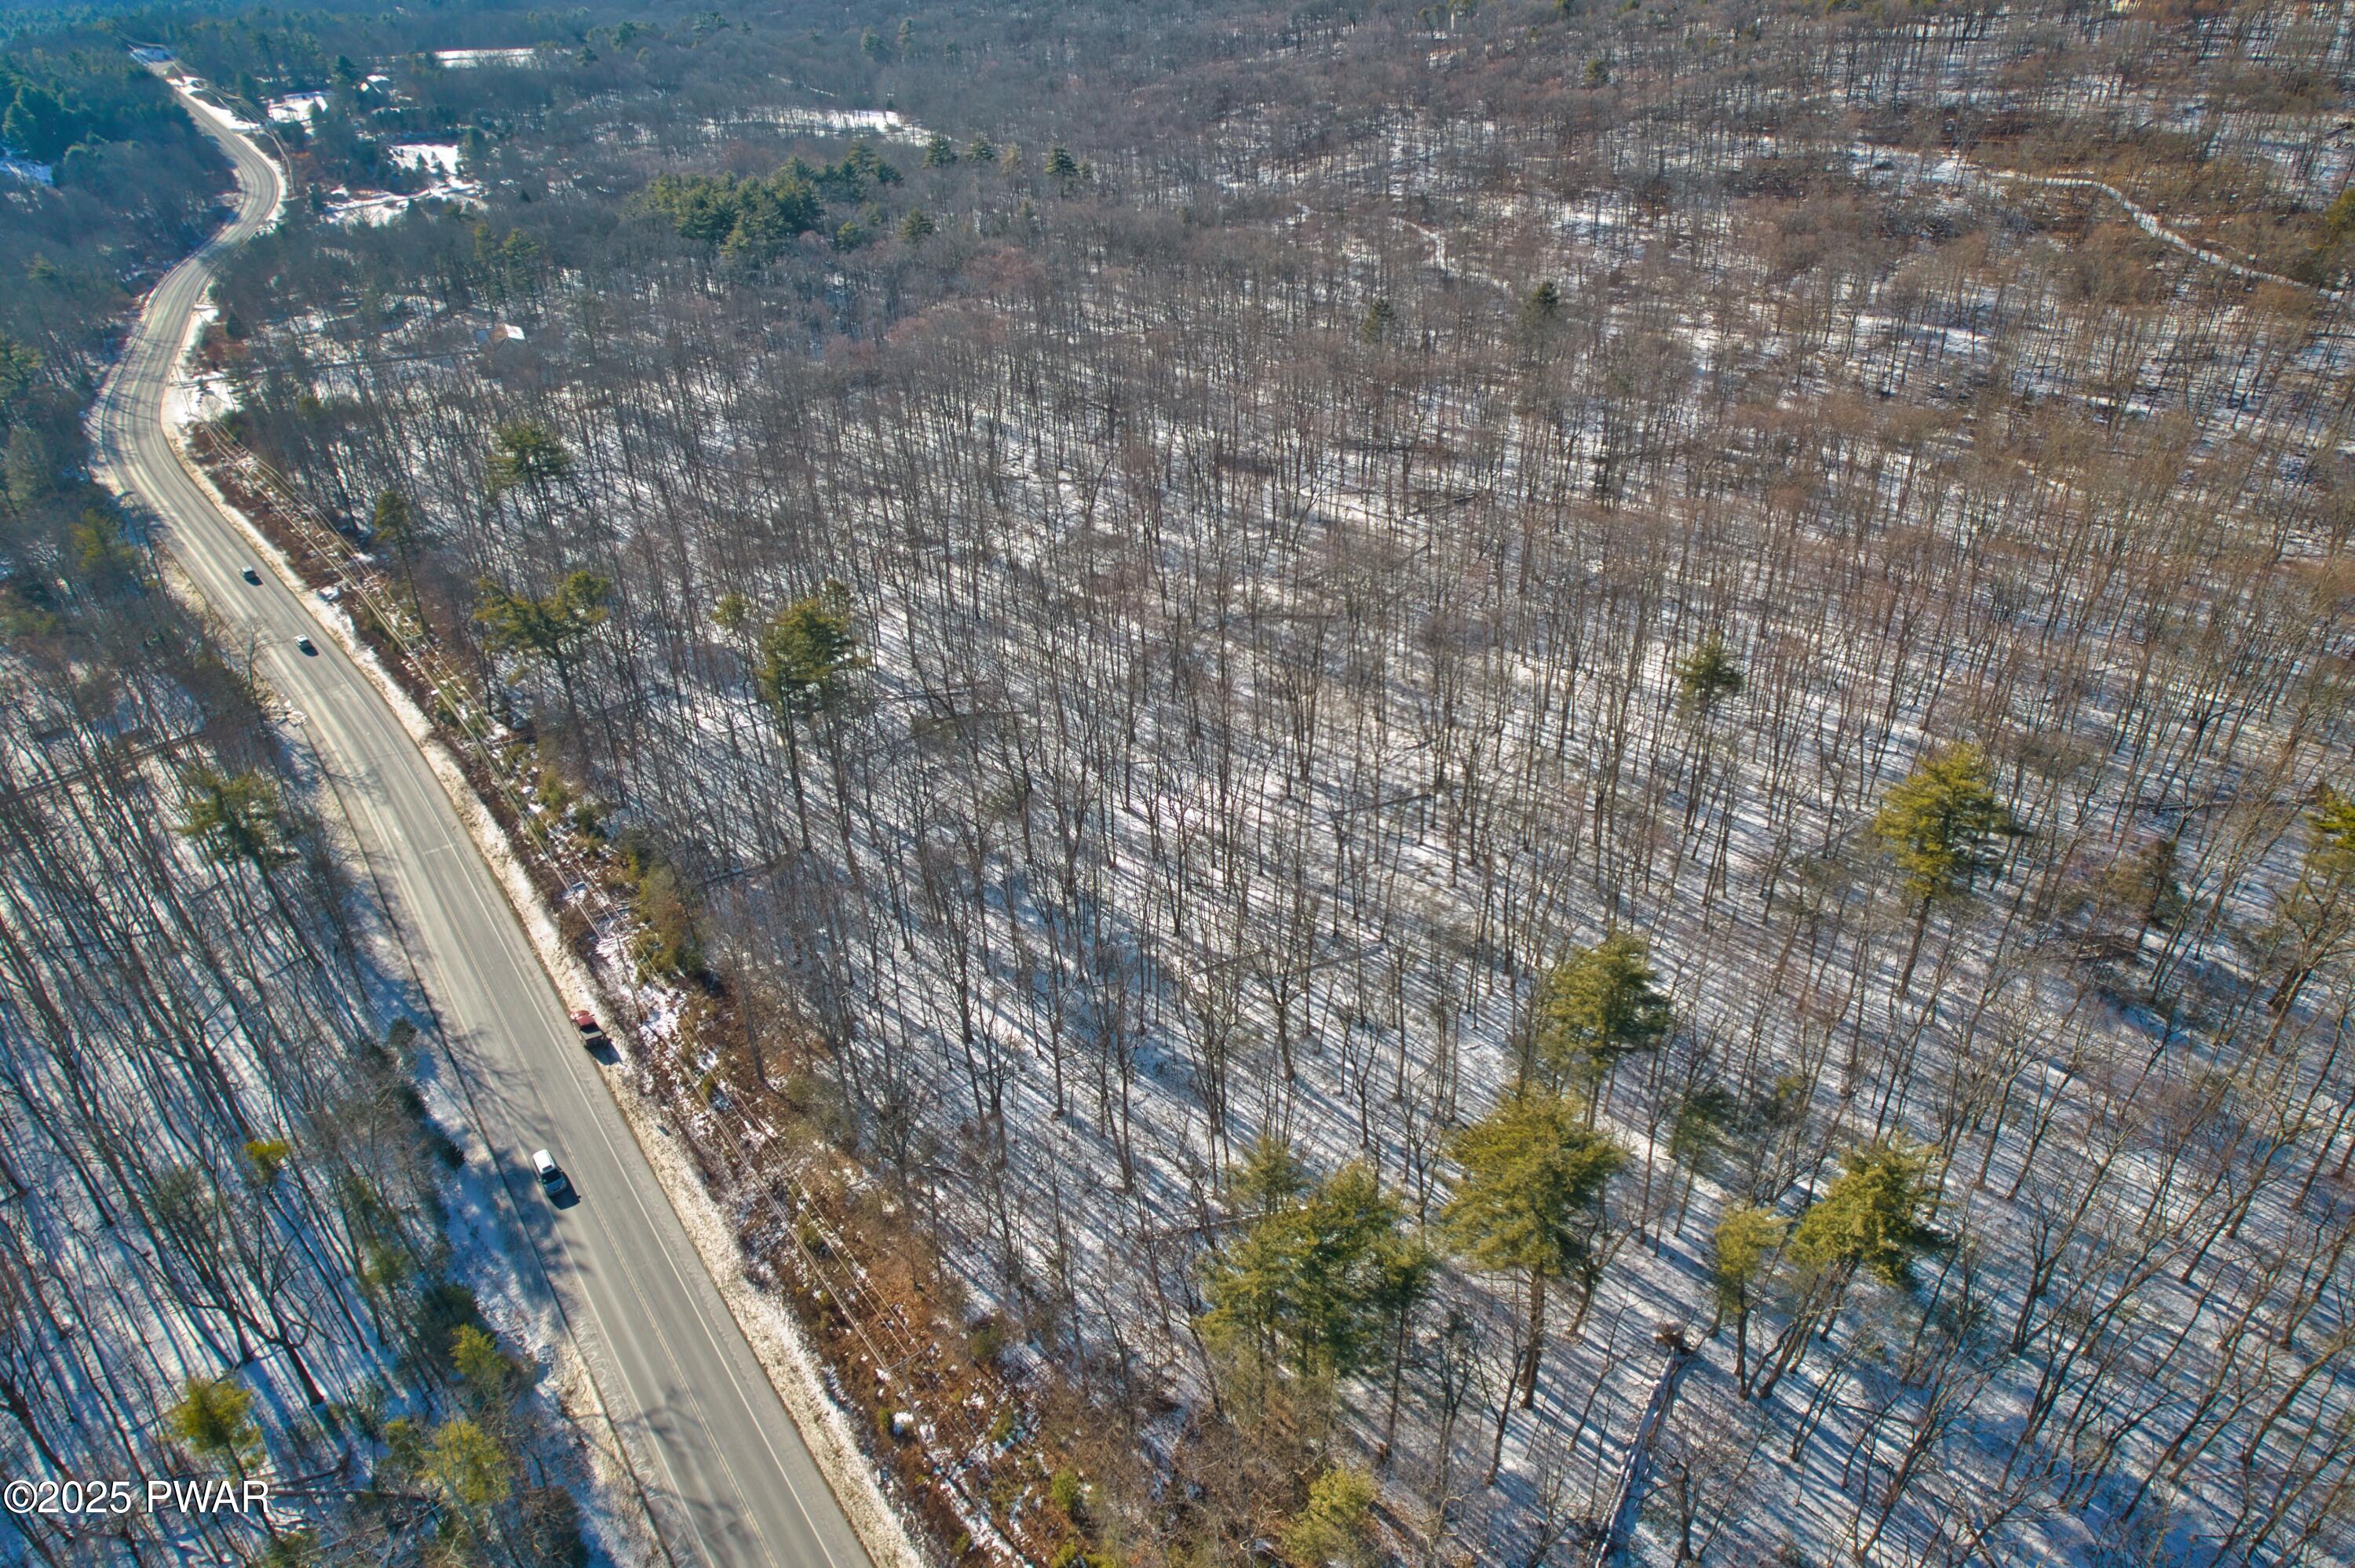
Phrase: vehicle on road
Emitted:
{"points": [[310, 649], [251, 576], [592, 1033], [552, 1179]]}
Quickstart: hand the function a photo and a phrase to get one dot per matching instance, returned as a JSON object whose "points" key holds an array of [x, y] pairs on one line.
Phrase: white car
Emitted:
{"points": [[552, 1179]]}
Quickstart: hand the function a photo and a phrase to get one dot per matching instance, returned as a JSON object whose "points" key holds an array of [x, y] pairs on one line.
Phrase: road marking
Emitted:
{"points": [[353, 717]]}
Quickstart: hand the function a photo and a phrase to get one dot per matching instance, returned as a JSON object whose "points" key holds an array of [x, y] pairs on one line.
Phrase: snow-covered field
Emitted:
{"points": [[472, 59], [295, 108], [439, 157]]}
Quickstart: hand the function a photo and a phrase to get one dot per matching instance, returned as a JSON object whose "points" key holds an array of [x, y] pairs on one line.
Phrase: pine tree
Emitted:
{"points": [[1336, 1525], [1062, 166], [1269, 1178], [232, 816], [1314, 1283], [806, 653], [1530, 1200], [20, 371], [212, 1419], [468, 1470], [1942, 825], [393, 525], [808, 649], [1599, 1005], [2314, 920], [526, 453], [1542, 305], [488, 1372], [1746, 1243], [30, 471], [939, 151], [1708, 676], [1874, 1217], [549, 629]]}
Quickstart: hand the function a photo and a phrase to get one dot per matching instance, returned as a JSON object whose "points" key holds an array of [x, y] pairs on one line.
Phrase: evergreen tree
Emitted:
{"points": [[232, 816], [212, 1419], [1874, 1217], [526, 453], [36, 124], [1314, 1282], [31, 473], [1942, 824], [393, 525], [468, 1470], [1708, 676], [806, 653], [100, 550], [20, 371], [1269, 1176], [808, 649], [2314, 922], [940, 151], [1746, 1243], [1600, 1004], [549, 629], [1062, 166], [1530, 1200], [1336, 1525], [488, 1373], [1541, 307]]}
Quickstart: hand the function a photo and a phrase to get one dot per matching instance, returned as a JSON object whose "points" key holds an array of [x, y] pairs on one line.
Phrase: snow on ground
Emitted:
{"points": [[295, 108], [438, 157], [371, 209], [193, 90], [1100, 1026], [470, 59], [888, 124]]}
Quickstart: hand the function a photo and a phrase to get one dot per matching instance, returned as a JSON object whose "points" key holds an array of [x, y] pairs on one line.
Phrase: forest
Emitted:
{"points": [[1551, 781], [225, 1250]]}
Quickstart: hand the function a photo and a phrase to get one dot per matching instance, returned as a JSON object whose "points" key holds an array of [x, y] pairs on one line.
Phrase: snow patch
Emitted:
{"points": [[470, 59], [25, 169], [295, 108], [436, 157]]}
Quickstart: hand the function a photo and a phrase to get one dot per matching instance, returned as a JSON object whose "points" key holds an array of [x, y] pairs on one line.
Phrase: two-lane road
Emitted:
{"points": [[729, 1477]]}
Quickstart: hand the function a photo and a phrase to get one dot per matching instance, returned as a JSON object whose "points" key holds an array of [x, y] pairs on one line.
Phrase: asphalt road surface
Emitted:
{"points": [[727, 1477]]}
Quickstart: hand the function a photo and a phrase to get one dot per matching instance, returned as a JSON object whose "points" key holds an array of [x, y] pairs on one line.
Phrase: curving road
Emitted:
{"points": [[727, 1476]]}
